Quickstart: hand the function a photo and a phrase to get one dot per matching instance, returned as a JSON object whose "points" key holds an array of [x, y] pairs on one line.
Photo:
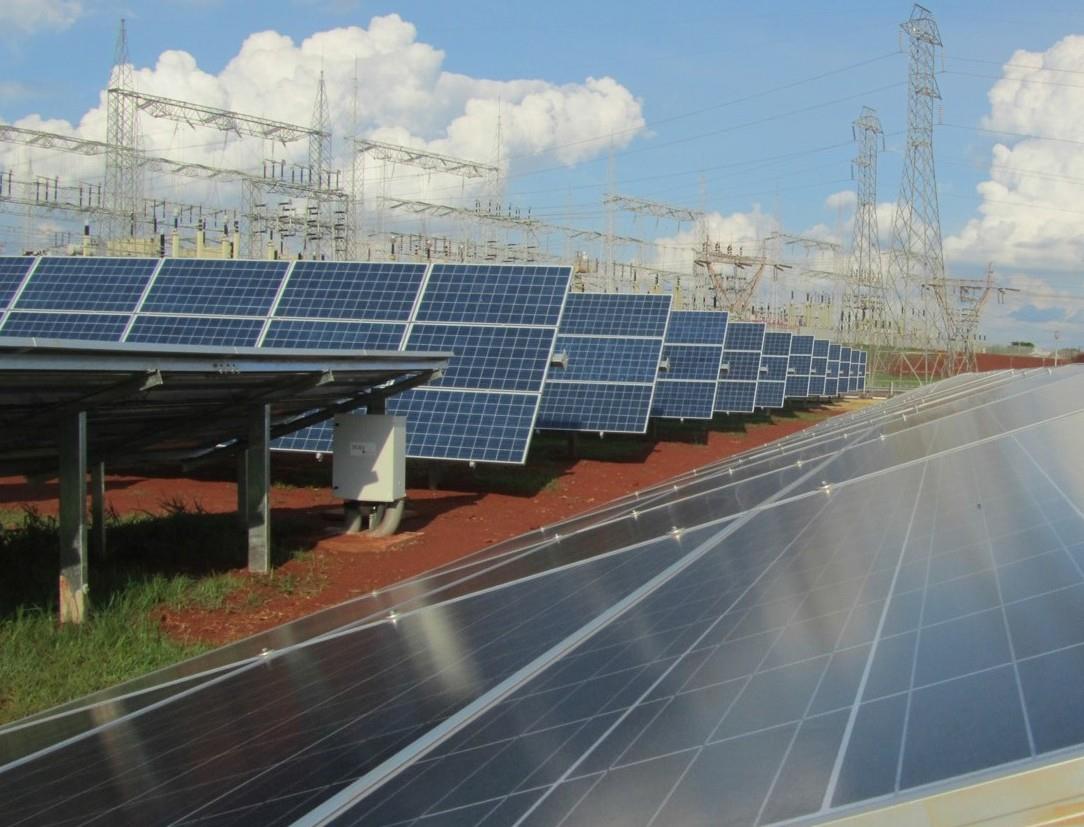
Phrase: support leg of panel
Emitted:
{"points": [[242, 490], [73, 518], [257, 485], [97, 509]]}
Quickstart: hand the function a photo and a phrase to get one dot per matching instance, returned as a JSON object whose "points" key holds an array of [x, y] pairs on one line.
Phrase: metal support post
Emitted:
{"points": [[242, 489], [73, 517], [257, 484], [97, 508]]}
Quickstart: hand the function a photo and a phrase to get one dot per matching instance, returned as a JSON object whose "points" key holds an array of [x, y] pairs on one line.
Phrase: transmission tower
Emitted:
{"points": [[916, 256], [123, 172], [320, 207], [864, 302]]}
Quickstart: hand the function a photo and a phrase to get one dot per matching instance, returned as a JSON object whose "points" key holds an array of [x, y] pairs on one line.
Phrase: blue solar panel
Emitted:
{"points": [[816, 385], [606, 359], [776, 344], [189, 330], [818, 367], [820, 348], [97, 327], [587, 406], [691, 362], [831, 387], [770, 394], [370, 291], [487, 358], [697, 327], [802, 345], [341, 335], [736, 397], [833, 351], [77, 283], [447, 424], [740, 365], [316, 439], [217, 287], [494, 294], [684, 400], [13, 270], [773, 368], [745, 336], [616, 314]]}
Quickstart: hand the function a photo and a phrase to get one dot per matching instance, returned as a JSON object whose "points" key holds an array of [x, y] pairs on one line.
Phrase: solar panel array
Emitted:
{"points": [[740, 370], [612, 344], [772, 384], [821, 628], [844, 370], [691, 354], [500, 320]]}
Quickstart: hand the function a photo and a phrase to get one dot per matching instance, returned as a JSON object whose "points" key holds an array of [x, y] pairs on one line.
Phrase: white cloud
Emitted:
{"points": [[1030, 213], [842, 200], [404, 96], [742, 231], [29, 16]]}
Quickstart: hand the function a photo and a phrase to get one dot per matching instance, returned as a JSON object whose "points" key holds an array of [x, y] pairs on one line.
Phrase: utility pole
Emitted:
{"points": [[123, 179]]}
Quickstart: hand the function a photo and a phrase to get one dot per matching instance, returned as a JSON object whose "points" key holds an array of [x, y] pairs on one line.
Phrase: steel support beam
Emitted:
{"points": [[97, 508], [257, 486], [73, 517]]}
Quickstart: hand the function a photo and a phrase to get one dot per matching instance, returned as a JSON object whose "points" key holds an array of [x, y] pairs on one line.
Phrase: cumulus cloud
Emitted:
{"points": [[842, 200], [29, 16], [1030, 214], [740, 230], [404, 95]]}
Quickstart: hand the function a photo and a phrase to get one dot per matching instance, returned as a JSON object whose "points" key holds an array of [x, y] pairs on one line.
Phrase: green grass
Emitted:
{"points": [[180, 559]]}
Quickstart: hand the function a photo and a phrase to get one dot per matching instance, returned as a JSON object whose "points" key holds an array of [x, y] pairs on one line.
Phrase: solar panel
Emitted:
{"points": [[831, 381], [104, 285], [458, 425], [844, 385], [818, 369], [359, 291], [799, 367], [771, 385], [97, 327], [195, 330], [493, 358], [613, 357], [224, 287], [692, 353], [740, 368], [494, 294], [616, 314], [13, 270], [307, 333]]}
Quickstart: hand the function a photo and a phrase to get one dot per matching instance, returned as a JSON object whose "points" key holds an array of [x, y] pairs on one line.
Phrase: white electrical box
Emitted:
{"points": [[369, 460]]}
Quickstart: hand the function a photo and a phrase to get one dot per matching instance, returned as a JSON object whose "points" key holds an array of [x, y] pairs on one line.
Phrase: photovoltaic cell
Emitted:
{"points": [[736, 397], [13, 270], [615, 314], [776, 344], [316, 439], [452, 424], [96, 327], [696, 327], [770, 394], [589, 406], [773, 370], [360, 291], [745, 336], [818, 369], [494, 294], [304, 333], [487, 357], [195, 330], [684, 400], [844, 384], [693, 362], [79, 283], [222, 287]]}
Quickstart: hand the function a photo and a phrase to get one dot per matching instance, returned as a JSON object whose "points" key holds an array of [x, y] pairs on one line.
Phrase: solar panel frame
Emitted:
{"points": [[831, 381], [844, 385], [351, 291], [771, 384], [818, 368], [799, 366], [79, 283], [692, 351], [495, 296], [216, 287]]}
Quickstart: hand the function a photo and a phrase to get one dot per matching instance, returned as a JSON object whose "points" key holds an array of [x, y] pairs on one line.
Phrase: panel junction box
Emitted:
{"points": [[369, 459]]}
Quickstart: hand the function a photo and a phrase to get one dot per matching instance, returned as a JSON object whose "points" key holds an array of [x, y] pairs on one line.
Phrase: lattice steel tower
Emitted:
{"points": [[916, 256], [321, 221], [123, 173], [864, 300]]}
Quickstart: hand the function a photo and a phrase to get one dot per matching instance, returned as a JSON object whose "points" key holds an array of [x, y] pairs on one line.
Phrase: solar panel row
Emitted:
{"points": [[740, 368], [691, 357]]}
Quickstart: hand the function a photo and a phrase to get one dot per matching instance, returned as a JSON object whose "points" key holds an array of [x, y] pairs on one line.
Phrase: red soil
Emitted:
{"points": [[441, 526]]}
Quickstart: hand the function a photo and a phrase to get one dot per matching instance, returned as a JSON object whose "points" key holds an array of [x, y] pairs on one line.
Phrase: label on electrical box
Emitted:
{"points": [[363, 449]]}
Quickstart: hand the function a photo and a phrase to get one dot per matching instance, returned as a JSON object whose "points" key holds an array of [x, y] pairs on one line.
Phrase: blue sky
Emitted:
{"points": [[725, 90]]}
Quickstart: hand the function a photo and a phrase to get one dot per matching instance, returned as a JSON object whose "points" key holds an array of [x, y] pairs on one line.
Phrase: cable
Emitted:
{"points": [[1014, 65], [1014, 134], [1016, 80]]}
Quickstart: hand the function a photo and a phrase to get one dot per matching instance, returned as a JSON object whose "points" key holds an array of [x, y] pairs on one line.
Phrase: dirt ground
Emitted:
{"points": [[468, 511]]}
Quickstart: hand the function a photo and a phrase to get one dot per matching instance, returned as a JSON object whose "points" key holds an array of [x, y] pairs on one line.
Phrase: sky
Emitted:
{"points": [[742, 111]]}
